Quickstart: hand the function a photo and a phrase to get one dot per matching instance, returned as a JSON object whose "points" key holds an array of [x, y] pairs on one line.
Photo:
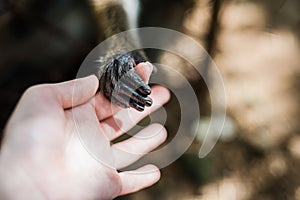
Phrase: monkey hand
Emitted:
{"points": [[120, 83]]}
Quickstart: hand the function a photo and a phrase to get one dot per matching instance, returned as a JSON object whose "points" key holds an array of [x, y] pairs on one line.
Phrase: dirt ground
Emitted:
{"points": [[256, 47]]}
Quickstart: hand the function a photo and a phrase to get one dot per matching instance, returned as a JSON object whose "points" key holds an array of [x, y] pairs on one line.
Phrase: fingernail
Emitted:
{"points": [[145, 90], [139, 107], [136, 106], [149, 102]]}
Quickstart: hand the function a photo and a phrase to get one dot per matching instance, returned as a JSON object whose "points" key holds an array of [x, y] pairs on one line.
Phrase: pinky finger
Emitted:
{"points": [[138, 179]]}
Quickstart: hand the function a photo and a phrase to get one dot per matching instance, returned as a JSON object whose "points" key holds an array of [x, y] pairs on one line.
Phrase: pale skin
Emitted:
{"points": [[42, 156]]}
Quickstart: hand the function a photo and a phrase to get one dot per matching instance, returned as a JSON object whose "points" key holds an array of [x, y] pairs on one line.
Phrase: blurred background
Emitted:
{"points": [[255, 45]]}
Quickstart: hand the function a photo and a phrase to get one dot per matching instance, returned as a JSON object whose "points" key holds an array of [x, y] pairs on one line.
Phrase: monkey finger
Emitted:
{"points": [[121, 100], [129, 93], [147, 101], [144, 90], [135, 81], [144, 101], [136, 105], [105, 109]]}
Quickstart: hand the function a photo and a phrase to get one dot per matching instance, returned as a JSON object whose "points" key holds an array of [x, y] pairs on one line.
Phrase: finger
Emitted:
{"points": [[134, 80], [104, 108], [132, 149], [144, 70], [130, 93], [138, 179], [144, 90], [75, 92], [138, 106], [125, 119]]}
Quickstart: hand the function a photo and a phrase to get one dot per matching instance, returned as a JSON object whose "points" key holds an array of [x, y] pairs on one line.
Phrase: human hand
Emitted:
{"points": [[43, 153]]}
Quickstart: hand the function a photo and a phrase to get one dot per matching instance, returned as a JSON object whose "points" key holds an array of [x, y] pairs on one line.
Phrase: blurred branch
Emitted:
{"points": [[212, 34]]}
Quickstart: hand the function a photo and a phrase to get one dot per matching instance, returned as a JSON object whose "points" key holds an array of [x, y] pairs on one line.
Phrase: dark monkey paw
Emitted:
{"points": [[121, 85]]}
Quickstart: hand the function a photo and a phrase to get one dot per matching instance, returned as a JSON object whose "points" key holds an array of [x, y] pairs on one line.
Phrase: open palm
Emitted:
{"points": [[57, 143]]}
